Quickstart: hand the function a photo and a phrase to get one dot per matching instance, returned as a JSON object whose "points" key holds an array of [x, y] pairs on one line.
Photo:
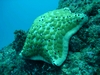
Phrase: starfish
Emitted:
{"points": [[49, 35]]}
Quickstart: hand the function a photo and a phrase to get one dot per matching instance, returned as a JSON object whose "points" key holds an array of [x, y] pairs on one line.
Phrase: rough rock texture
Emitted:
{"points": [[20, 37], [82, 6], [12, 64]]}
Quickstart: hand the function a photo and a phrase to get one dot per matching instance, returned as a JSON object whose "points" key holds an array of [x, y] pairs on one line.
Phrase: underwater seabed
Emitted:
{"points": [[84, 47]]}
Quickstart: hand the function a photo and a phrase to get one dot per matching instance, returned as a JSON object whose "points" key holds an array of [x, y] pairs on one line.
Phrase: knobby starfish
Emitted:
{"points": [[48, 38]]}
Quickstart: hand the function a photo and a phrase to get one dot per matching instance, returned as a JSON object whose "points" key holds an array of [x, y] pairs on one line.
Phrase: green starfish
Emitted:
{"points": [[48, 38]]}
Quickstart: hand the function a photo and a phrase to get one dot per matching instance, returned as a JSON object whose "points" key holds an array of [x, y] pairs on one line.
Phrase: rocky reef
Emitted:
{"points": [[20, 37], [84, 47]]}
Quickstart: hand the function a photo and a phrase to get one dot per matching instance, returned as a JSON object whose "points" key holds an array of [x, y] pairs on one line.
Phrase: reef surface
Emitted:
{"points": [[84, 47]]}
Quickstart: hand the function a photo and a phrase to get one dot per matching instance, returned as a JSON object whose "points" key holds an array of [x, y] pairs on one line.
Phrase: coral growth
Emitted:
{"points": [[82, 6], [20, 37]]}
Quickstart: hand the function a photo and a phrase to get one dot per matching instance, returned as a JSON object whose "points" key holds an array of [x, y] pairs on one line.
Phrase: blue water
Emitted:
{"points": [[20, 14]]}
